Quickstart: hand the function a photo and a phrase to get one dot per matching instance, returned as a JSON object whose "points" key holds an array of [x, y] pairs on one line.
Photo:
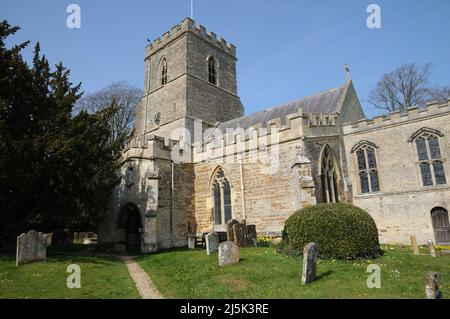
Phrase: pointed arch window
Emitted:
{"points": [[164, 71], [430, 159], [329, 179], [212, 70], [223, 211], [366, 159]]}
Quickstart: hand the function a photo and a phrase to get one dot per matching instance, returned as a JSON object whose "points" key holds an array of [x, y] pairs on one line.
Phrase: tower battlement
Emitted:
{"points": [[188, 25]]}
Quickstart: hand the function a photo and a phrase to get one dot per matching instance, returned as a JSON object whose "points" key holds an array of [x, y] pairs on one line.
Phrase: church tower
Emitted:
{"points": [[190, 75]]}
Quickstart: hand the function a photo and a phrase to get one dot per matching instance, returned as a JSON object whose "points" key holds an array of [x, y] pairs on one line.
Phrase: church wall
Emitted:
{"points": [[270, 198], [403, 207]]}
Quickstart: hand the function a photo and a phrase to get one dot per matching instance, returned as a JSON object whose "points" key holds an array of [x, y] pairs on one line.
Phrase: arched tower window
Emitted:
{"points": [[329, 177], [212, 70], [164, 72], [430, 160], [366, 159], [222, 198]]}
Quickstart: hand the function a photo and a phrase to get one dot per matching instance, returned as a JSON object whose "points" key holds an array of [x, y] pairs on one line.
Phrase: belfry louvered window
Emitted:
{"points": [[212, 72], [164, 72]]}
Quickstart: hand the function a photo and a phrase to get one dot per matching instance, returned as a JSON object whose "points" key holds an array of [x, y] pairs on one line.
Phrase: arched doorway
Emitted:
{"points": [[130, 223], [329, 176], [441, 225]]}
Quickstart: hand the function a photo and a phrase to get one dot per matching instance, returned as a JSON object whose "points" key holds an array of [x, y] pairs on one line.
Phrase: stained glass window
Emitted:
{"points": [[430, 159], [330, 190], [222, 199], [368, 171]]}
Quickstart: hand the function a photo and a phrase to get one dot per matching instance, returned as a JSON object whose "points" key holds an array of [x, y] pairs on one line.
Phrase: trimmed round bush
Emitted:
{"points": [[341, 231]]}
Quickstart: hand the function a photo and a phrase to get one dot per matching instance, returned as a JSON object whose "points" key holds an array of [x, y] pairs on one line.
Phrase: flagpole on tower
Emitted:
{"points": [[192, 9]]}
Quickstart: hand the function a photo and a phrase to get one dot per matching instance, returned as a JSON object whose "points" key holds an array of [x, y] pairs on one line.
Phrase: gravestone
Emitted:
{"points": [[212, 243], [76, 237], [240, 235], [228, 254], [310, 253], [252, 236], [31, 247], [432, 248], [81, 236], [192, 242], [414, 245], [432, 288], [230, 234], [49, 237]]}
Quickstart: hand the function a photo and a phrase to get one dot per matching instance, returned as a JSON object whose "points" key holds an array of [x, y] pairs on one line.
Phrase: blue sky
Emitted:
{"points": [[286, 48]]}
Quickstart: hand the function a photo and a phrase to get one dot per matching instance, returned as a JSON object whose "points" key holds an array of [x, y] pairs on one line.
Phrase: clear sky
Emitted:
{"points": [[287, 49]]}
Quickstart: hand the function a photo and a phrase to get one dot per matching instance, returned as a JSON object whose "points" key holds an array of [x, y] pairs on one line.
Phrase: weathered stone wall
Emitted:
{"points": [[184, 198], [145, 183], [403, 206]]}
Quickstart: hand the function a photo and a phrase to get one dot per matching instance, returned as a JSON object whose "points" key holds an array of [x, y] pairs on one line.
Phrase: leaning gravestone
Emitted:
{"points": [[230, 224], [310, 253], [31, 247], [432, 248], [228, 254], [432, 288], [414, 245], [252, 236], [212, 243], [240, 235]]}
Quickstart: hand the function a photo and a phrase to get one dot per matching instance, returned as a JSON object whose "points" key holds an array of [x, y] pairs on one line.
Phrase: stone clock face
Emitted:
{"points": [[157, 118]]}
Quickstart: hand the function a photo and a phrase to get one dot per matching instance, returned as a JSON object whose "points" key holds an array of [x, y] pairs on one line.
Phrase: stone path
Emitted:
{"points": [[144, 285]]}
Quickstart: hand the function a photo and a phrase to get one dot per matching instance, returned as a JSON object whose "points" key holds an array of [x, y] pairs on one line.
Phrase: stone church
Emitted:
{"points": [[197, 162]]}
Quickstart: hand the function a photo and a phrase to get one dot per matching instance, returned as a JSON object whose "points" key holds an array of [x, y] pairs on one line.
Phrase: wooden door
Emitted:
{"points": [[441, 225]]}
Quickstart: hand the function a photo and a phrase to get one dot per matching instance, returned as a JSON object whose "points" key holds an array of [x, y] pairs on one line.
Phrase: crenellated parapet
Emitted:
{"points": [[258, 137], [188, 25], [148, 146], [397, 117]]}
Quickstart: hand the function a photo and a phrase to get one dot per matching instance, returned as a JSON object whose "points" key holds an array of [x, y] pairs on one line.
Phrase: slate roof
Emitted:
{"points": [[327, 102]]}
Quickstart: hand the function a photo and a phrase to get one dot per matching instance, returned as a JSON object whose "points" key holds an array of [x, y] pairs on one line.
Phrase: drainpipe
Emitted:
{"points": [[172, 217], [241, 166]]}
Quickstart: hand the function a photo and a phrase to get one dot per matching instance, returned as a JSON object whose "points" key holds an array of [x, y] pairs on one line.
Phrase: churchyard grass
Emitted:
{"points": [[101, 277], [264, 274]]}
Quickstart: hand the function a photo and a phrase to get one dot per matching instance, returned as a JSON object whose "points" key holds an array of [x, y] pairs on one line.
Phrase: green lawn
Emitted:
{"points": [[264, 274], [101, 277]]}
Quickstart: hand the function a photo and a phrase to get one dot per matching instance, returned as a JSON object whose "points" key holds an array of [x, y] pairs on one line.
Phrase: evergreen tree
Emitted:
{"points": [[56, 170]]}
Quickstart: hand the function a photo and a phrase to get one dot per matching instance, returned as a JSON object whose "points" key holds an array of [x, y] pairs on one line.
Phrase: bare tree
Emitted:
{"points": [[122, 98], [402, 88], [440, 93]]}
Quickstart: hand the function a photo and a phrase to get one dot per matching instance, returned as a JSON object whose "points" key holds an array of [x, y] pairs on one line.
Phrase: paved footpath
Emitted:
{"points": [[144, 285]]}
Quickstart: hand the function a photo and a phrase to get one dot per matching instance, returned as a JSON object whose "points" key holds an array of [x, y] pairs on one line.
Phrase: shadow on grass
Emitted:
{"points": [[325, 274]]}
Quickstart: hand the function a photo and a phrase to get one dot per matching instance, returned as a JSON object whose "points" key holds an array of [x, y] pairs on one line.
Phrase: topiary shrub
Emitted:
{"points": [[341, 231]]}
